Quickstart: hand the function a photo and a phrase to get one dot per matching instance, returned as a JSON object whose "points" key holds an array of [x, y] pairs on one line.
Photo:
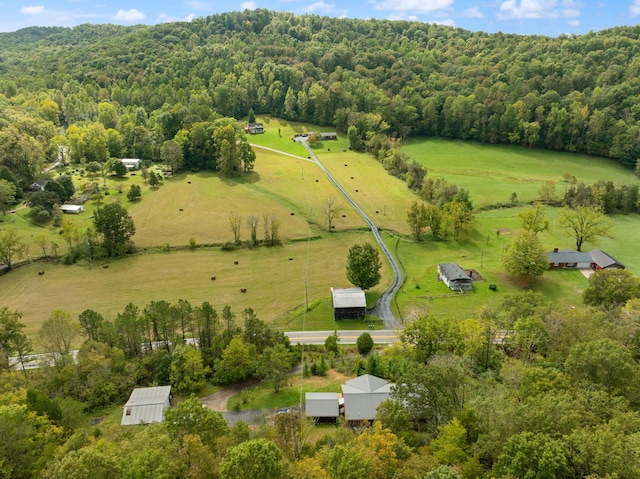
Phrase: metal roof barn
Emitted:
{"points": [[348, 303], [363, 395], [322, 404], [146, 405]]}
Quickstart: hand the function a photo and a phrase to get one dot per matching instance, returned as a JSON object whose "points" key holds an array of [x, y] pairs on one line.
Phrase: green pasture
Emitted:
{"points": [[384, 198], [482, 250], [275, 283], [492, 173]]}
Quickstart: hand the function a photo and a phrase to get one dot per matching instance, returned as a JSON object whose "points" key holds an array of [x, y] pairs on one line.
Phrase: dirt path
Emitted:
{"points": [[218, 400]]}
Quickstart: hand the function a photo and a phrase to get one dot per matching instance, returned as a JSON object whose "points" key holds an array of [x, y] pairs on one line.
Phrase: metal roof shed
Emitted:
{"points": [[363, 395], [146, 405], [322, 404], [348, 303]]}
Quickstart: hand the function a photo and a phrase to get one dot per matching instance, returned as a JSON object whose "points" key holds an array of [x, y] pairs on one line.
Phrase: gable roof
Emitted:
{"points": [[568, 256], [348, 298], [366, 384], [146, 405], [603, 259], [454, 272]]}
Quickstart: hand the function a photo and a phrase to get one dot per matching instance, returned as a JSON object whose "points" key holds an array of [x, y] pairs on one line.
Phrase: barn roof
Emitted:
{"points": [[603, 259], [146, 405], [366, 384], [348, 298], [453, 272]]}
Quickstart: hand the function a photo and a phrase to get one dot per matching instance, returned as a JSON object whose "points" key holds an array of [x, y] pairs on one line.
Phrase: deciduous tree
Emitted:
{"points": [[418, 219], [524, 258], [11, 245], [611, 288], [585, 224], [253, 459], [363, 266], [7, 195], [116, 227]]}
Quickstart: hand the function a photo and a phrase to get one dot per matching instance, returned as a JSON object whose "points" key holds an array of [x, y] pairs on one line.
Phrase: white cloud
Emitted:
{"points": [[39, 10], [415, 6], [634, 8], [539, 9], [319, 7], [402, 16], [445, 21], [164, 18], [574, 23], [132, 15], [248, 6], [473, 12]]}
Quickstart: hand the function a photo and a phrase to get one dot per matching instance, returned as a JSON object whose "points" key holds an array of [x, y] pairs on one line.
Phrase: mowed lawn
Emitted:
{"points": [[483, 249], [492, 173], [275, 284]]}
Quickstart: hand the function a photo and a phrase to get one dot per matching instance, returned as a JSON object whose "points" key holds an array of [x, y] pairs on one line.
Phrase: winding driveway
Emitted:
{"points": [[382, 309]]}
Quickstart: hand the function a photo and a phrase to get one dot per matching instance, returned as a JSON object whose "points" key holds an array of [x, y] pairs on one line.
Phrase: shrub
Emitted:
{"points": [[364, 343], [228, 246], [493, 287]]}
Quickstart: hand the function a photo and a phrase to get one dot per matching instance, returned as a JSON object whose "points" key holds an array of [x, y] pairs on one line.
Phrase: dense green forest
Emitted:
{"points": [[124, 91]]}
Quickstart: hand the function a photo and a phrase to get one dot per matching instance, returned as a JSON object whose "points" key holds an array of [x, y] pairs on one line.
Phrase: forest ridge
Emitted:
{"points": [[575, 93]]}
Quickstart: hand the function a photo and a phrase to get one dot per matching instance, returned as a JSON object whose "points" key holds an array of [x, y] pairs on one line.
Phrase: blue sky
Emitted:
{"points": [[544, 17]]}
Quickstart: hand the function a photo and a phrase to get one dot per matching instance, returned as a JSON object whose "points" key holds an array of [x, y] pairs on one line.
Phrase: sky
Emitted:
{"points": [[526, 17]]}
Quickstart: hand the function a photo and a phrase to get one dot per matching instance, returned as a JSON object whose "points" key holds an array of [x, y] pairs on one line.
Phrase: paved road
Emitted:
{"points": [[382, 308], [383, 336]]}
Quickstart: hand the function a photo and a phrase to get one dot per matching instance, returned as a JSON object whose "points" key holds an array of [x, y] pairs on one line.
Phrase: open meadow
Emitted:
{"points": [[275, 284], [287, 186], [492, 173]]}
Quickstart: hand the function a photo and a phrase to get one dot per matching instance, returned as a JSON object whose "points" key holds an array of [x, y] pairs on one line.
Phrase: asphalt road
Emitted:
{"points": [[379, 336], [382, 308]]}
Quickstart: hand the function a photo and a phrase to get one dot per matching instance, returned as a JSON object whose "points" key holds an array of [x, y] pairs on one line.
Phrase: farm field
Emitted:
{"points": [[274, 283], [492, 173]]}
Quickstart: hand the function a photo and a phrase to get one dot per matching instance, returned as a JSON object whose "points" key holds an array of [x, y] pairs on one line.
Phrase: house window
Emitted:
{"points": [[128, 413]]}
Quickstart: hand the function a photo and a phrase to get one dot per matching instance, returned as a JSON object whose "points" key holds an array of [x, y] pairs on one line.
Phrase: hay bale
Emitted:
{"points": [[235, 262], [41, 272], [290, 259], [213, 278], [243, 290], [105, 266]]}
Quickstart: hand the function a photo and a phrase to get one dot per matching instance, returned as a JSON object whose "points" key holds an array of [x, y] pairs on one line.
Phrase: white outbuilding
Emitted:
{"points": [[72, 209], [131, 163], [146, 405], [322, 405]]}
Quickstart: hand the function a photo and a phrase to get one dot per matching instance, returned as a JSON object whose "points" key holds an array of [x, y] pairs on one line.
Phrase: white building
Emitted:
{"points": [[72, 209], [131, 163], [363, 395], [146, 405], [322, 405]]}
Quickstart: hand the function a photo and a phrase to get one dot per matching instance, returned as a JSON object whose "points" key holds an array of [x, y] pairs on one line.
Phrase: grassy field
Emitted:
{"points": [[263, 397], [275, 284], [493, 172]]}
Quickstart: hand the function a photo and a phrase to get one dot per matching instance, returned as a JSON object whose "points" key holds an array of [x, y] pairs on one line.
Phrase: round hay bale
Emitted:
{"points": [[105, 266], [236, 262], [317, 181], [41, 272], [352, 177], [188, 182], [292, 213], [344, 216], [357, 191], [180, 209], [377, 211], [243, 290], [290, 259], [213, 278], [346, 164]]}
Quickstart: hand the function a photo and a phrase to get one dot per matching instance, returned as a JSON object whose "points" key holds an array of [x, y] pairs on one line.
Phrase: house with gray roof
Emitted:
{"points": [[363, 395], [602, 260], [348, 303], [455, 277], [569, 259], [146, 405]]}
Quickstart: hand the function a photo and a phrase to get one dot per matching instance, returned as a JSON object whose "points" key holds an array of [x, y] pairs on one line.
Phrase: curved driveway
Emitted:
{"points": [[382, 308]]}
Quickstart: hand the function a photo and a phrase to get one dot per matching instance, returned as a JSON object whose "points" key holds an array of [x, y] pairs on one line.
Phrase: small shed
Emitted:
{"points": [[602, 260], [569, 259], [322, 405], [348, 303], [363, 395], [254, 128], [131, 163], [455, 277], [72, 209], [146, 405], [328, 135]]}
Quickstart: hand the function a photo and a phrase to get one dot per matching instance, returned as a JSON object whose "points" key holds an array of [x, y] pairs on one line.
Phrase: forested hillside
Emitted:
{"points": [[126, 90]]}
